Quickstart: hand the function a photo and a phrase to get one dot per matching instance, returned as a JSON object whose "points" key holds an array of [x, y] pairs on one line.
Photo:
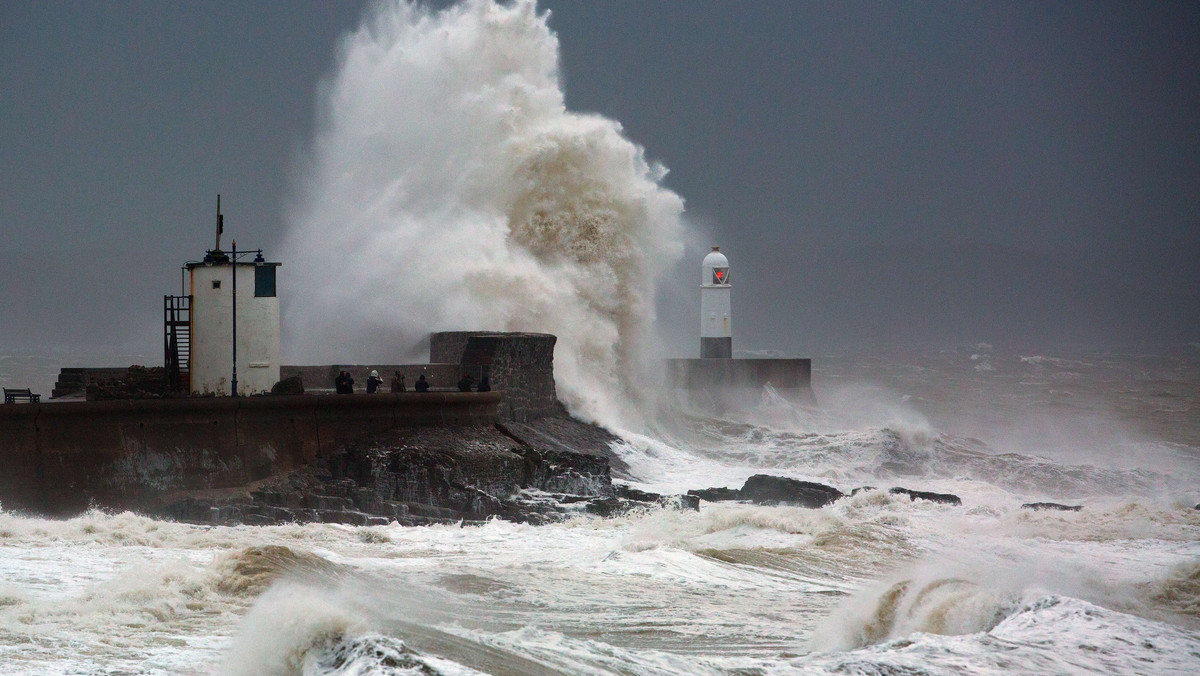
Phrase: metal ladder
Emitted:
{"points": [[177, 343]]}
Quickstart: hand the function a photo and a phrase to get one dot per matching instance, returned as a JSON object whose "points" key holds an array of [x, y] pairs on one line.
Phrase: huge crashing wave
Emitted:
{"points": [[449, 188]]}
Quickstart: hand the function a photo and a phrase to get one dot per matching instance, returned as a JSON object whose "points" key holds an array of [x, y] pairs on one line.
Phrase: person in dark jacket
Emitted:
{"points": [[422, 384], [344, 384], [465, 383], [484, 385], [398, 382], [373, 382]]}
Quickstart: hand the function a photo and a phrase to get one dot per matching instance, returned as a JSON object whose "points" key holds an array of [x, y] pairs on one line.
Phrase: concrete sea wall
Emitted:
{"points": [[706, 380], [439, 376], [519, 364], [59, 458]]}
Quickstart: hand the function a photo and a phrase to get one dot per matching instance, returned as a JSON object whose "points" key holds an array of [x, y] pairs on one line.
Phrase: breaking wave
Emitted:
{"points": [[939, 606], [1178, 592], [253, 570], [1049, 634], [449, 188], [288, 628]]}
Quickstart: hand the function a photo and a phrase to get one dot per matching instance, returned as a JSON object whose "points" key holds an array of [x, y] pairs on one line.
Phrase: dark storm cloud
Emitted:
{"points": [[876, 171]]}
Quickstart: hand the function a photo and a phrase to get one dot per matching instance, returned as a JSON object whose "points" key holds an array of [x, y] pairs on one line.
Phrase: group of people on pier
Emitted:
{"points": [[344, 383]]}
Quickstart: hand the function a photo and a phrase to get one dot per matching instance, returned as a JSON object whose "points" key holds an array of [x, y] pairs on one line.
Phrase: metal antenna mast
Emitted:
{"points": [[220, 223]]}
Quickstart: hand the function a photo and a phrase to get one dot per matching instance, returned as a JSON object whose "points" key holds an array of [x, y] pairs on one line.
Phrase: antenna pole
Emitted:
{"points": [[220, 223]]}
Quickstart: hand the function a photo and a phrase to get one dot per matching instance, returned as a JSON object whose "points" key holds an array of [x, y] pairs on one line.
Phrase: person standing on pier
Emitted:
{"points": [[465, 383], [373, 382]]}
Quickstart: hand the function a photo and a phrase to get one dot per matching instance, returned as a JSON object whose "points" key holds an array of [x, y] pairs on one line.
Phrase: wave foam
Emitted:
{"points": [[289, 630], [938, 605], [1050, 634]]}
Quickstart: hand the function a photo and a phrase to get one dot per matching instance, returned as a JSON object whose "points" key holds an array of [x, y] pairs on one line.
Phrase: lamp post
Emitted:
{"points": [[233, 256], [233, 266]]}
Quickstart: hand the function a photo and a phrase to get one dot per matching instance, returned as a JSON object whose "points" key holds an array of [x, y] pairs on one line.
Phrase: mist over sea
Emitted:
{"points": [[447, 166]]}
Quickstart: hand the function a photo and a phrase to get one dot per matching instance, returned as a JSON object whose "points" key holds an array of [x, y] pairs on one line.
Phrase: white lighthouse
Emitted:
{"points": [[716, 330], [230, 344]]}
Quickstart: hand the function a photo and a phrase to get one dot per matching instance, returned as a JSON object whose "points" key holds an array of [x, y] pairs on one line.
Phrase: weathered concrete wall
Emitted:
{"points": [[212, 329], [440, 376], [59, 457], [792, 378], [73, 380], [521, 365], [447, 347]]}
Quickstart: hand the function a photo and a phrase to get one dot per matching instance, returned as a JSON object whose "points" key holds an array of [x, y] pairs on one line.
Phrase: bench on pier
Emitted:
{"points": [[12, 395]]}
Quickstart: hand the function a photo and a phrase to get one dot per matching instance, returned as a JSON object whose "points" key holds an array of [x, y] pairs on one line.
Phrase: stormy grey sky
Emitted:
{"points": [[878, 172]]}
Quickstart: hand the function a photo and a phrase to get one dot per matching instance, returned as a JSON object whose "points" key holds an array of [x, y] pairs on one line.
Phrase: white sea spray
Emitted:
{"points": [[450, 188]]}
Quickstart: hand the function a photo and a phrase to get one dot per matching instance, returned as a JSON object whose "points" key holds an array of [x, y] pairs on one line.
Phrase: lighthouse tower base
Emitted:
{"points": [[722, 383], [716, 348]]}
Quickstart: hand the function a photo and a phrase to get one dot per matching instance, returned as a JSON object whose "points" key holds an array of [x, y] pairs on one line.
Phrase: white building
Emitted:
{"points": [[716, 327], [213, 324]]}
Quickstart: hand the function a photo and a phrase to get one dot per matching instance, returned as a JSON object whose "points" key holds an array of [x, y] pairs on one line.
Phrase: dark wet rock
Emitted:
{"points": [[716, 494], [1039, 506], [291, 385], [557, 471], [435, 475], [634, 495], [631, 493], [378, 654], [566, 434], [945, 498], [617, 505], [605, 507], [764, 489]]}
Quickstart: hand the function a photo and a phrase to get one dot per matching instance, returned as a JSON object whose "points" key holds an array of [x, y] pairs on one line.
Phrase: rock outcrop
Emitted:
{"points": [[717, 494], [1040, 506], [944, 498], [764, 489], [424, 475], [566, 434]]}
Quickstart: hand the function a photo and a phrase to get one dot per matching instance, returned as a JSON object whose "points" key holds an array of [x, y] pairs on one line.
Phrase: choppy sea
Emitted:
{"points": [[872, 584]]}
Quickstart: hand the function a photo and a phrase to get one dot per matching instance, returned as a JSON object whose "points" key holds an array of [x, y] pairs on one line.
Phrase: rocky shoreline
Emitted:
{"points": [[533, 472], [381, 466], [537, 472]]}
